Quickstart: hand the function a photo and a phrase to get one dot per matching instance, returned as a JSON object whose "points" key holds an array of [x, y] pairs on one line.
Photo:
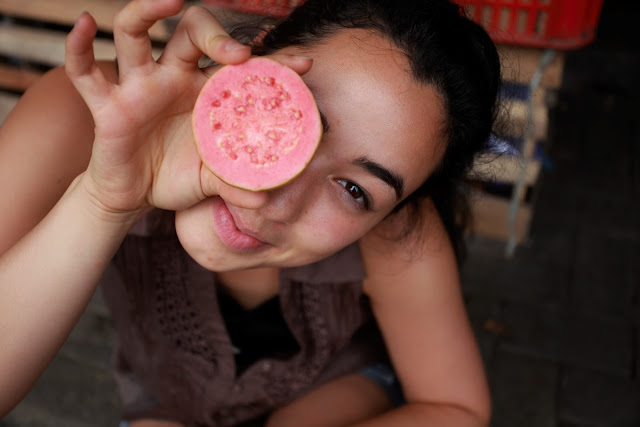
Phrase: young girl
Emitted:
{"points": [[233, 306]]}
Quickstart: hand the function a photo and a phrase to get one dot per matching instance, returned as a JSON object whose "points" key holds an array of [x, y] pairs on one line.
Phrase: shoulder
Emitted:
{"points": [[389, 253], [53, 110], [45, 142], [55, 89], [414, 289]]}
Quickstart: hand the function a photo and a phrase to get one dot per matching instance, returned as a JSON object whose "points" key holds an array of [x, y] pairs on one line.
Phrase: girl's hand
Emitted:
{"points": [[143, 153]]}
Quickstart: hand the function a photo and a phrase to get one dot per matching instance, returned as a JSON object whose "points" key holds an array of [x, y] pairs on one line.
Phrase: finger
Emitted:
{"points": [[130, 31], [198, 33], [80, 64], [247, 199], [299, 64]]}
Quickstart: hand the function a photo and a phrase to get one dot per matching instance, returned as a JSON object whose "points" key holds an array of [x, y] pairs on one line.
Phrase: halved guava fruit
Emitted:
{"points": [[256, 124]]}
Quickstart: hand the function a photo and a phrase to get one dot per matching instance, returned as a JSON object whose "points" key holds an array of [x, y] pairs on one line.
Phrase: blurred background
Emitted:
{"points": [[553, 269]]}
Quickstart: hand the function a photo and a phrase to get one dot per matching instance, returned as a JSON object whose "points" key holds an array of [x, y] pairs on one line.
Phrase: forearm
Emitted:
{"points": [[426, 415], [46, 281]]}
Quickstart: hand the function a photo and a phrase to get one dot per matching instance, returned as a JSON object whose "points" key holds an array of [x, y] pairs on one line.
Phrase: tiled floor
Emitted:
{"points": [[557, 322]]}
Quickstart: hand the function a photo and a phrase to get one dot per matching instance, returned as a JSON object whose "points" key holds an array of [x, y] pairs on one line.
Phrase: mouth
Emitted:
{"points": [[231, 232]]}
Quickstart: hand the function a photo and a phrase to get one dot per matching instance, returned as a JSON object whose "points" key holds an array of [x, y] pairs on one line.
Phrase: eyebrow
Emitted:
{"points": [[395, 181]]}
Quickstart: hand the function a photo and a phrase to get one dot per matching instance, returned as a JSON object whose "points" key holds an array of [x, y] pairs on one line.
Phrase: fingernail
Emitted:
{"points": [[233, 45], [83, 17], [84, 12]]}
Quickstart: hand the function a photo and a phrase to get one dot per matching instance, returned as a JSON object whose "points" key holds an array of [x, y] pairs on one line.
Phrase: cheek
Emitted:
{"points": [[194, 227], [327, 230]]}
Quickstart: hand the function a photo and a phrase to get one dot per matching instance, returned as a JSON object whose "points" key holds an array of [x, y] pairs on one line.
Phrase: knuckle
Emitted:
{"points": [[216, 39], [121, 18], [202, 27], [194, 12], [127, 16]]}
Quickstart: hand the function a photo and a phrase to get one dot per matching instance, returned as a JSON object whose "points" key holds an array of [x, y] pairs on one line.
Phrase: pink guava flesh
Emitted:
{"points": [[256, 124]]}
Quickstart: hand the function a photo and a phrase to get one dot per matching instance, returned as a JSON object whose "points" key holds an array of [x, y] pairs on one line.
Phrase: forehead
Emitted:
{"points": [[364, 86]]}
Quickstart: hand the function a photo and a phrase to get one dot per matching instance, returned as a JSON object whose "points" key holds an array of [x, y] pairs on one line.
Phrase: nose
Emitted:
{"points": [[284, 204]]}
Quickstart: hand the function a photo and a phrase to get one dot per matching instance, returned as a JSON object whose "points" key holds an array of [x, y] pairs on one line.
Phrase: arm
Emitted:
{"points": [[47, 279], [416, 298], [107, 146], [48, 271], [77, 171]]}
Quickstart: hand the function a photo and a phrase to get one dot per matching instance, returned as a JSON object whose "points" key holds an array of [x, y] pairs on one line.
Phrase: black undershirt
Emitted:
{"points": [[260, 332]]}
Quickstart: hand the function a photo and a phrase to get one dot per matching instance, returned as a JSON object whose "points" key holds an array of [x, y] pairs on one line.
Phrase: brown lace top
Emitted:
{"points": [[174, 357]]}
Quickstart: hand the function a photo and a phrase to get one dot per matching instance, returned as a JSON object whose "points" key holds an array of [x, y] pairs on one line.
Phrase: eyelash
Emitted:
{"points": [[348, 185], [324, 123]]}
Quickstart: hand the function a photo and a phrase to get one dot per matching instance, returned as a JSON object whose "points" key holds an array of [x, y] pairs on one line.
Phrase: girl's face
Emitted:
{"points": [[383, 140]]}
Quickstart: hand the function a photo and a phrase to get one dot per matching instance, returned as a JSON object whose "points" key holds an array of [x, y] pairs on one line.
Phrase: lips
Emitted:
{"points": [[228, 231]]}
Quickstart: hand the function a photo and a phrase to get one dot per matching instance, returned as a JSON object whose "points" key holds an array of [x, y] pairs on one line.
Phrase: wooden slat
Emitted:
{"points": [[521, 63], [7, 102], [517, 117], [46, 46], [491, 218], [16, 78], [66, 12]]}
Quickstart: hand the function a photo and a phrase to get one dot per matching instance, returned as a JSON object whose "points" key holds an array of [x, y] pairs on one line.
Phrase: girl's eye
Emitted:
{"points": [[356, 192]]}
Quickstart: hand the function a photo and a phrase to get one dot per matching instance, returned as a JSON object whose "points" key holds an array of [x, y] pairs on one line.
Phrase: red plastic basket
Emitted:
{"points": [[257, 7], [558, 24]]}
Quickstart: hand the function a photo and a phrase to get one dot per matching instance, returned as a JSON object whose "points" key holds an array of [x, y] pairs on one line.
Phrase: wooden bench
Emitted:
{"points": [[32, 36]]}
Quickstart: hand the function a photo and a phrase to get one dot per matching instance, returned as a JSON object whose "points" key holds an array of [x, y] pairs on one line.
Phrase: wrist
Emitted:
{"points": [[101, 211]]}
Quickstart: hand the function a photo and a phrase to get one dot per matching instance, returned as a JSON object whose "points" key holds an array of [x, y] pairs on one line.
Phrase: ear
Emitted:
{"points": [[257, 40]]}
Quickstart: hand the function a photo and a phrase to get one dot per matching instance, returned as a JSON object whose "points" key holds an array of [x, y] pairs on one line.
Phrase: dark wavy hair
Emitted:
{"points": [[445, 49]]}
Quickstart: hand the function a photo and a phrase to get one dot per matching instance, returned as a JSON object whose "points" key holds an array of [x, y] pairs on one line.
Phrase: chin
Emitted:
{"points": [[197, 235], [210, 256], [198, 238]]}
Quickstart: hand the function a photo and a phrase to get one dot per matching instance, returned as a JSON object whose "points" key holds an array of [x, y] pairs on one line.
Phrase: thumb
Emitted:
{"points": [[239, 197]]}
